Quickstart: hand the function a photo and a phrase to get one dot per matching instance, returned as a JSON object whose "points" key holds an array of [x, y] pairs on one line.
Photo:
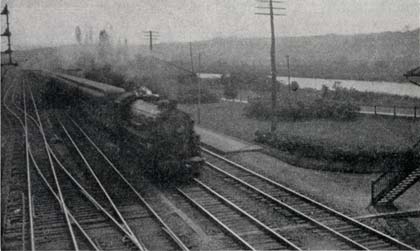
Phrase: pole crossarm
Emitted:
{"points": [[152, 36], [268, 14], [274, 8], [263, 1]]}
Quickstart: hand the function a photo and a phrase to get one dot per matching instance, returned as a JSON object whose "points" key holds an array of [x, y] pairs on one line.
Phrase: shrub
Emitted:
{"points": [[258, 109], [230, 91], [319, 149], [190, 96], [318, 109], [324, 91]]}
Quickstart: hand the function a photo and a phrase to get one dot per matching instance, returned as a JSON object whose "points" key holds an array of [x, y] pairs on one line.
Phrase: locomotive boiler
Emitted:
{"points": [[160, 136]]}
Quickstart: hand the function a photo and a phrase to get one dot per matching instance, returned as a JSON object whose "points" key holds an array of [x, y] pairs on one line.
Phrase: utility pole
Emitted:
{"points": [[151, 36], [7, 34], [288, 72], [199, 89], [191, 57], [195, 77], [271, 13]]}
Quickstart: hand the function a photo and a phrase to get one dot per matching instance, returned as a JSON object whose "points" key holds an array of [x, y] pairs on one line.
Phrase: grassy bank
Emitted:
{"points": [[363, 133], [340, 94]]}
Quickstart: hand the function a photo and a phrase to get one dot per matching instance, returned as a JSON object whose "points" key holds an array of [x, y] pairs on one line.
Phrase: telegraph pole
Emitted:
{"points": [[191, 57], [288, 72], [199, 89], [7, 34], [271, 13], [196, 77], [151, 36]]}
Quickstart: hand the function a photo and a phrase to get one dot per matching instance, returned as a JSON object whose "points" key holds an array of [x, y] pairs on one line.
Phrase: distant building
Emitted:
{"points": [[210, 79], [210, 75], [413, 76]]}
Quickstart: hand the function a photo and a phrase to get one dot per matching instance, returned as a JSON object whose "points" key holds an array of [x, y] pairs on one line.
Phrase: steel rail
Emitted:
{"points": [[60, 194], [290, 208], [74, 220], [28, 175], [41, 175], [134, 238], [9, 122], [304, 197], [23, 221], [214, 218], [30, 201], [167, 229], [87, 194], [84, 192], [17, 117], [252, 218]]}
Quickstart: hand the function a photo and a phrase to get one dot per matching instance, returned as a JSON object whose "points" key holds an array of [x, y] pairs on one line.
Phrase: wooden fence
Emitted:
{"points": [[394, 111]]}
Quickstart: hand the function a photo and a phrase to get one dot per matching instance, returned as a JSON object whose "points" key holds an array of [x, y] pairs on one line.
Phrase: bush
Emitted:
{"points": [[258, 109], [318, 109], [361, 158], [230, 91], [190, 96]]}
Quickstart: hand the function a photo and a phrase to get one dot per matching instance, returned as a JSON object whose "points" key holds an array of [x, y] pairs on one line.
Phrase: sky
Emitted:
{"points": [[53, 22]]}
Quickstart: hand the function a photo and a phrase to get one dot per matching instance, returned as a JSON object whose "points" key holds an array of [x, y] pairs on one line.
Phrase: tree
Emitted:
{"points": [[78, 34], [230, 84], [103, 37], [104, 45], [90, 35]]}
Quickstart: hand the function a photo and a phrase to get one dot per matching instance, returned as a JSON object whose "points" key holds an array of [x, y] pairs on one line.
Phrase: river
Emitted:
{"points": [[403, 89]]}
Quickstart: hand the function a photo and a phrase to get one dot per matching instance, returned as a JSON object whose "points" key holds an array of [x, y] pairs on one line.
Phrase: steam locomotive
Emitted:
{"points": [[153, 129]]}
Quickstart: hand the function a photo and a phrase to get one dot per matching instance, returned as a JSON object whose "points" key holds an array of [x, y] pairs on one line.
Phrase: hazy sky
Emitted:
{"points": [[52, 22]]}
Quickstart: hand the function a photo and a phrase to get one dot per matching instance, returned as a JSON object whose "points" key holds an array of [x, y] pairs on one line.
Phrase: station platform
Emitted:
{"points": [[223, 143]]}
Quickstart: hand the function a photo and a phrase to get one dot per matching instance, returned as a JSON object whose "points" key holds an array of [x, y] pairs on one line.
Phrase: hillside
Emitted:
{"points": [[379, 56]]}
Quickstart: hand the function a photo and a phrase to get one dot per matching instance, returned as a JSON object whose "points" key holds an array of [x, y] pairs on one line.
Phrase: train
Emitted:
{"points": [[153, 129]]}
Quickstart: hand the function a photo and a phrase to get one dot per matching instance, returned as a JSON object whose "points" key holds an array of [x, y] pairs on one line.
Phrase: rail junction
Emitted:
{"points": [[66, 191]]}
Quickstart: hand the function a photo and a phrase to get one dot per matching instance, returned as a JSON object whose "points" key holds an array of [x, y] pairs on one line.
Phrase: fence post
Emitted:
{"points": [[415, 112], [395, 111], [374, 109]]}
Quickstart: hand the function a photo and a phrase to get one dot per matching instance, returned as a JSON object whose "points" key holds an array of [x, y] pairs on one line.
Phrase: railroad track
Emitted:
{"points": [[127, 199], [343, 228], [258, 236], [41, 210], [205, 234], [46, 236], [15, 207], [85, 157], [246, 229], [66, 204]]}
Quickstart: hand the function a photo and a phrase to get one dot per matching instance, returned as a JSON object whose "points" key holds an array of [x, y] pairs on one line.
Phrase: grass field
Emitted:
{"points": [[364, 133]]}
